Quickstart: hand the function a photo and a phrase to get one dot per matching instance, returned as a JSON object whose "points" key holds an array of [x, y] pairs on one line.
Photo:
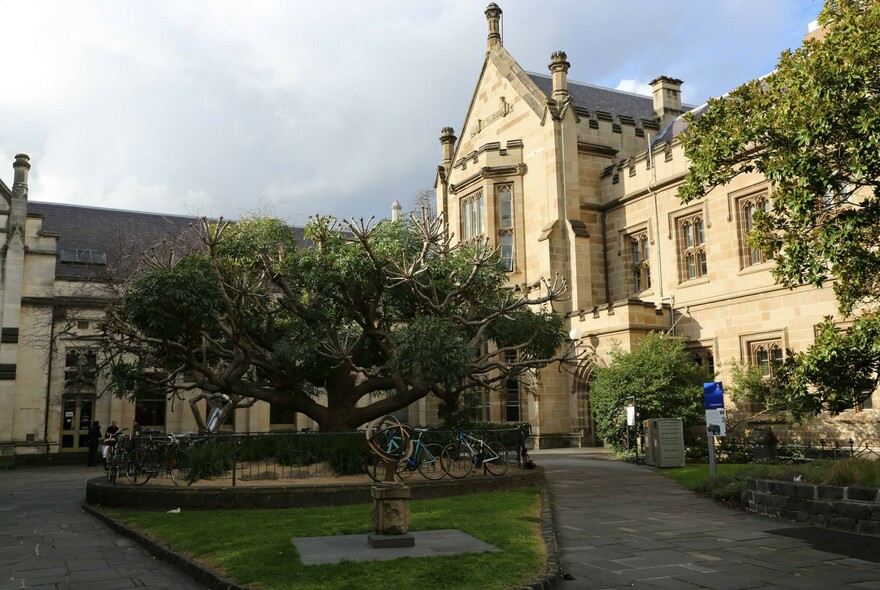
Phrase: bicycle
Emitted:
{"points": [[117, 457], [426, 458], [469, 451], [152, 457]]}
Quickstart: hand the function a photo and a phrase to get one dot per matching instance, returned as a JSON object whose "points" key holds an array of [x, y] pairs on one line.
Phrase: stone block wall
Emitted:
{"points": [[852, 509]]}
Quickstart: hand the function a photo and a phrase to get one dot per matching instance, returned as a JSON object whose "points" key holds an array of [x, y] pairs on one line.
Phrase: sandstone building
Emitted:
{"points": [[570, 178], [59, 265], [562, 177]]}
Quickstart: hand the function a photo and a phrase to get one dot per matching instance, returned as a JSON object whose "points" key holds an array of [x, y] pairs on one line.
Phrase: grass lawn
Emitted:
{"points": [[253, 547], [691, 476], [730, 481]]}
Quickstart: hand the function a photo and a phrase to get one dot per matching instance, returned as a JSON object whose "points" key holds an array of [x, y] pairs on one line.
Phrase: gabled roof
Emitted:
{"points": [[593, 98], [121, 235]]}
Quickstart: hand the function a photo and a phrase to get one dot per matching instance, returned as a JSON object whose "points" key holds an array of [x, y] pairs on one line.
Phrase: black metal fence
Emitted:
{"points": [[285, 457], [780, 451]]}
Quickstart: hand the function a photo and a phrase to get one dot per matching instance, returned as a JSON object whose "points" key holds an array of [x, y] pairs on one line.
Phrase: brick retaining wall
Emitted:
{"points": [[852, 509], [100, 492]]}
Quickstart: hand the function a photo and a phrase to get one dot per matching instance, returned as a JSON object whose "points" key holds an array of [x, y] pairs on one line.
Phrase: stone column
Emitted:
{"points": [[391, 516]]}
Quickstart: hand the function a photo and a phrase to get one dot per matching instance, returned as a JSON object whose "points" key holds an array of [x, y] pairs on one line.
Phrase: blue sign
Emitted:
{"points": [[714, 395]]}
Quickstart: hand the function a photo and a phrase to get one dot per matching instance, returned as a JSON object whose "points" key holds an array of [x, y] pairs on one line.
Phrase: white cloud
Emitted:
{"points": [[228, 107], [634, 86]]}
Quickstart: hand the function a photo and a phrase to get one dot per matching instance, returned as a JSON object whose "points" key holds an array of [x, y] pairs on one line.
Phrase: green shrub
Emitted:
{"points": [[211, 458]]}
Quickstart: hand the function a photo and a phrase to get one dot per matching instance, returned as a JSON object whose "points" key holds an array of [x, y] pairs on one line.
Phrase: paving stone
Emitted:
{"points": [[50, 538], [624, 504]]}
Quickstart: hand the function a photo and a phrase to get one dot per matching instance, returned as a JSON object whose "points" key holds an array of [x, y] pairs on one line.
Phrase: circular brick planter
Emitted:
{"points": [[100, 492]]}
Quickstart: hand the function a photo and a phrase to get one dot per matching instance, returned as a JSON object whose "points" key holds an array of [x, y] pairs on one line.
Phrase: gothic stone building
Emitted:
{"points": [[574, 179], [59, 264]]}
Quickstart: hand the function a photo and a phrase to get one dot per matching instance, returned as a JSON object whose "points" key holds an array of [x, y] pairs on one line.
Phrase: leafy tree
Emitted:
{"points": [[370, 319], [812, 127], [658, 375]]}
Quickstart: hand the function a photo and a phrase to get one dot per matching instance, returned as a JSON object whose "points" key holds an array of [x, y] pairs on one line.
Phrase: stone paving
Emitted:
{"points": [[626, 526], [48, 542]]}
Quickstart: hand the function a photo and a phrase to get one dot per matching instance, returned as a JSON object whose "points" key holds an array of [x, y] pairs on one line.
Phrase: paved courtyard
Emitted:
{"points": [[625, 526], [47, 542], [619, 526]]}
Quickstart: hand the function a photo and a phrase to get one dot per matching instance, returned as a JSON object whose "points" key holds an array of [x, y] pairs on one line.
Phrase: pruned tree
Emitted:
{"points": [[812, 127], [369, 319]]}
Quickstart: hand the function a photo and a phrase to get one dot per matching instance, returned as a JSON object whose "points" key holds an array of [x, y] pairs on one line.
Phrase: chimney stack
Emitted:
{"points": [[493, 15], [21, 166], [667, 98], [559, 72], [447, 141]]}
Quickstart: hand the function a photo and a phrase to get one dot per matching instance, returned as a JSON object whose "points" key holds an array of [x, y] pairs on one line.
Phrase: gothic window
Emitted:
{"points": [[640, 264], [749, 208], [472, 218], [766, 354], [692, 247], [505, 206], [506, 242], [703, 357]]}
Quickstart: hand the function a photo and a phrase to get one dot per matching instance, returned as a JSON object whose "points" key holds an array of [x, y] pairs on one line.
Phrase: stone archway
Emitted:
{"points": [[581, 390]]}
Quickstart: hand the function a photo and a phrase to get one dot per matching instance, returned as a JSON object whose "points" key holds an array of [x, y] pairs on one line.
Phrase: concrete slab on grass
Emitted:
{"points": [[315, 550]]}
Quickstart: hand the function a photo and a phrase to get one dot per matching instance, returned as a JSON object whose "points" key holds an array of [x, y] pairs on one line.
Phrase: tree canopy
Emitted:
{"points": [[657, 375], [812, 128], [367, 320]]}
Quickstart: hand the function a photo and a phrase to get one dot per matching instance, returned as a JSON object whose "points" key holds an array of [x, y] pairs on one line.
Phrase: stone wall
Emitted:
{"points": [[852, 509]]}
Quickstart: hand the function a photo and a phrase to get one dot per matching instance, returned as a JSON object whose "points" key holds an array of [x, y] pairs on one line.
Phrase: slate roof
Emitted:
{"points": [[587, 96], [122, 235]]}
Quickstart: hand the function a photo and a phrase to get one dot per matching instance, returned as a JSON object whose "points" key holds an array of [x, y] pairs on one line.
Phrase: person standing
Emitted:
{"points": [[94, 440]]}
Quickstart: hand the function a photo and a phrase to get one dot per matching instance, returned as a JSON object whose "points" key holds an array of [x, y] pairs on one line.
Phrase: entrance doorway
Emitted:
{"points": [[77, 414]]}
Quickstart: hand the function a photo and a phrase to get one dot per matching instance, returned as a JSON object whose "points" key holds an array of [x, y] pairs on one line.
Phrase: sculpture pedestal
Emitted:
{"points": [[391, 516]]}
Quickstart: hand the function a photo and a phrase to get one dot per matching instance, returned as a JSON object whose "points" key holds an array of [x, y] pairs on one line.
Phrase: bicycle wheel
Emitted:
{"points": [[113, 467], [459, 461], [495, 458], [141, 466], [178, 468], [430, 461]]}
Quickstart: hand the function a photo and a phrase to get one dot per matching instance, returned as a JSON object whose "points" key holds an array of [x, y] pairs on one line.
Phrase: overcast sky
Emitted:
{"points": [[295, 108]]}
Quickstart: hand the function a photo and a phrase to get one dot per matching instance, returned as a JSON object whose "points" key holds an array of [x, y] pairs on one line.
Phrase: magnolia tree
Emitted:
{"points": [[812, 127], [366, 320]]}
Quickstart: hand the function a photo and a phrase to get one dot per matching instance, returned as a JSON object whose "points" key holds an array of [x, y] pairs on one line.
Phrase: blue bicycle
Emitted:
{"points": [[429, 459]]}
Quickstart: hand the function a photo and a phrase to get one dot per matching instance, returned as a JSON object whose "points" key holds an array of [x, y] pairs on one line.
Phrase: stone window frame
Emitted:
{"points": [[80, 369], [472, 211], [506, 233], [704, 351], [693, 250], [638, 260], [764, 349], [746, 206]]}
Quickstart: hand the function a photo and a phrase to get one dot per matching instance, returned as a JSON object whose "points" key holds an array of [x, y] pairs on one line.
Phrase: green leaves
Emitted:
{"points": [[658, 375], [372, 309], [812, 127]]}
